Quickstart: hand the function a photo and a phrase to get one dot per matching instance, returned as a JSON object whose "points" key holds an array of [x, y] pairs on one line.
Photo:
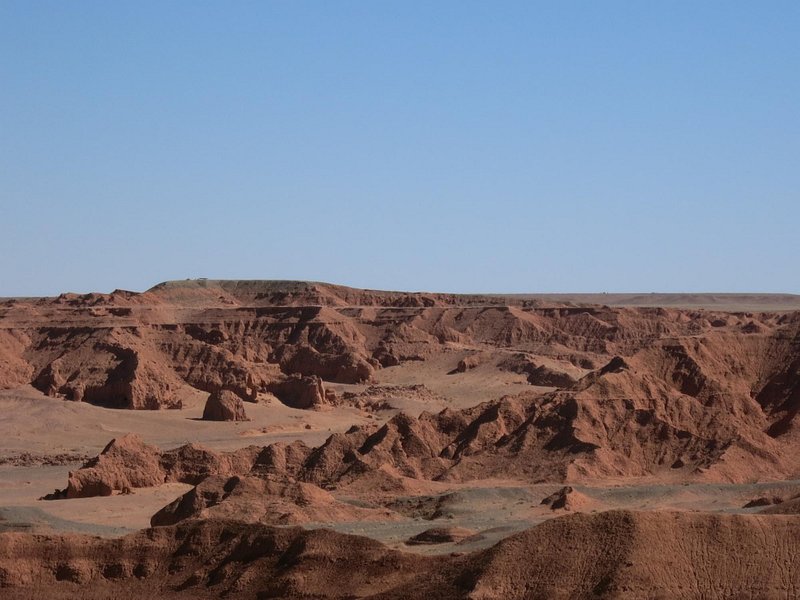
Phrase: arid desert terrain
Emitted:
{"points": [[280, 439]]}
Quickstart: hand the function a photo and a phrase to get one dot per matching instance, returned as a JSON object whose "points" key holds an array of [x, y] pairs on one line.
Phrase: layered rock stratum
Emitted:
{"points": [[632, 390]]}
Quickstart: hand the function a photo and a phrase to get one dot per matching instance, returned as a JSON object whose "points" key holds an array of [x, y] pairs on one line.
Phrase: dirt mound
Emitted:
{"points": [[440, 535], [224, 405], [606, 555]]}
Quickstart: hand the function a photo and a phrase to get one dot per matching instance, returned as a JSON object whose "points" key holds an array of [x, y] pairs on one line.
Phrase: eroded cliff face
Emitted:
{"points": [[627, 391]]}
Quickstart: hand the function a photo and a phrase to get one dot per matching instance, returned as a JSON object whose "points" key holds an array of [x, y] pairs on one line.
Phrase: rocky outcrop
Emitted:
{"points": [[282, 459], [618, 554], [567, 498], [385, 397], [305, 392], [14, 369], [125, 462], [638, 390], [110, 368], [550, 373], [128, 463], [468, 362], [224, 405], [277, 501], [345, 367]]}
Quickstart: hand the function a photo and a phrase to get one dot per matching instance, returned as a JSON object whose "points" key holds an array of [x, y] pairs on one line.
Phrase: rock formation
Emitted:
{"points": [[597, 393], [224, 405], [129, 350], [273, 501], [127, 462], [567, 498], [616, 554]]}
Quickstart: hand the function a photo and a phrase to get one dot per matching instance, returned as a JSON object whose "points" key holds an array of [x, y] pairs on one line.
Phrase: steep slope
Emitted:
{"points": [[606, 555]]}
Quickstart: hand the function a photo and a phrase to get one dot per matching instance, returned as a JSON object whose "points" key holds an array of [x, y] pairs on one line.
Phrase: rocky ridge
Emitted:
{"points": [[617, 554]]}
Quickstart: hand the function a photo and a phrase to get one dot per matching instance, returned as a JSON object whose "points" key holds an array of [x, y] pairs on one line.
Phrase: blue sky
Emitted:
{"points": [[453, 146]]}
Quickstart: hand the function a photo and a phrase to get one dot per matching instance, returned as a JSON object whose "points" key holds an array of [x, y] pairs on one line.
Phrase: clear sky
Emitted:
{"points": [[451, 146]]}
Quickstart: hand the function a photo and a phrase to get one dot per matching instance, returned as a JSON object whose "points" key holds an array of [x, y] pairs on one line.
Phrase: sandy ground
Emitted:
{"points": [[496, 509], [462, 390], [32, 422]]}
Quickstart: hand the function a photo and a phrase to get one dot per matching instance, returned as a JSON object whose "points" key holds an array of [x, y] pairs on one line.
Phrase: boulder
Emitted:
{"points": [[468, 362], [224, 405], [567, 498]]}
